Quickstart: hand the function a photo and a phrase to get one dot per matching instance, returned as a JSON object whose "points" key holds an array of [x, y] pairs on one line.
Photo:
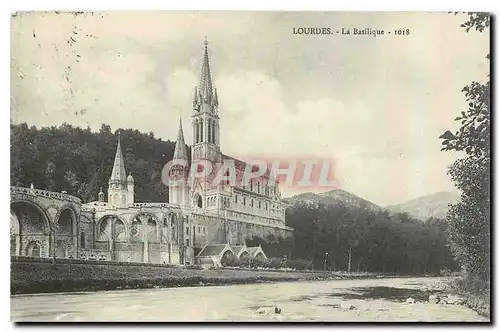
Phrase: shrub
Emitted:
{"points": [[229, 260]]}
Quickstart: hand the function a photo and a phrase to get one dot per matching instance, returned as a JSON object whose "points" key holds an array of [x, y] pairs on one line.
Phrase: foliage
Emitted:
{"points": [[80, 161], [229, 260], [378, 242], [478, 20], [469, 220]]}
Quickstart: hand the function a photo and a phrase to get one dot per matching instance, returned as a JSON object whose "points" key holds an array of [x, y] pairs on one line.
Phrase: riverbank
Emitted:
{"points": [[475, 294], [44, 276], [351, 300]]}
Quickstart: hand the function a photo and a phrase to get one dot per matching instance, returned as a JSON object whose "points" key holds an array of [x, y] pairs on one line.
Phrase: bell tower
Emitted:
{"points": [[178, 193], [205, 118], [117, 190]]}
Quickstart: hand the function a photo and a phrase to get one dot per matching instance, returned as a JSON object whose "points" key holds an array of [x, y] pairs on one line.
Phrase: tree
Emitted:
{"points": [[469, 220]]}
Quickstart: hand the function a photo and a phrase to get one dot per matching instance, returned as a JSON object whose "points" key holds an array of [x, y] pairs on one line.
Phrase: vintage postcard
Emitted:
{"points": [[241, 166]]}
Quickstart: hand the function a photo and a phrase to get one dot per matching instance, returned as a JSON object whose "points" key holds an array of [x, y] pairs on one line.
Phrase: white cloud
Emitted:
{"points": [[374, 105]]}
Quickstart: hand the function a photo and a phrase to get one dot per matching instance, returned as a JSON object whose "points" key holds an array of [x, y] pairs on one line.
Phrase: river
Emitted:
{"points": [[381, 300]]}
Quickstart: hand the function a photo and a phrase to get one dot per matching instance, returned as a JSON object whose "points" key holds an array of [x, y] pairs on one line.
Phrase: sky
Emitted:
{"points": [[373, 105]]}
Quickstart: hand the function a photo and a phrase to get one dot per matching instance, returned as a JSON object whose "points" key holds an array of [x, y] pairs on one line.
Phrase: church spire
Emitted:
{"points": [[180, 146], [205, 89], [118, 173], [216, 99]]}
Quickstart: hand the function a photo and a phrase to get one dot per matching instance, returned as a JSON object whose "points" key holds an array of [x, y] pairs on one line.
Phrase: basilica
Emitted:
{"points": [[202, 222]]}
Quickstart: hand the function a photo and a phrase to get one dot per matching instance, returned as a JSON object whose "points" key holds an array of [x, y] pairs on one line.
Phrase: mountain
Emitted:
{"points": [[434, 205], [334, 197]]}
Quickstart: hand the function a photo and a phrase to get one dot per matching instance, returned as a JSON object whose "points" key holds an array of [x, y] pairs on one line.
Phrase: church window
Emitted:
{"points": [[209, 131], [258, 187], [187, 230], [251, 186], [82, 240], [196, 133], [187, 242], [213, 132], [201, 131], [259, 204], [236, 199], [199, 202], [244, 201]]}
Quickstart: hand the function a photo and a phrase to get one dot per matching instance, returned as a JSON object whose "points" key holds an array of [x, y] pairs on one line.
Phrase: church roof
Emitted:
{"points": [[180, 151], [118, 173], [254, 251], [238, 249], [212, 250], [241, 166]]}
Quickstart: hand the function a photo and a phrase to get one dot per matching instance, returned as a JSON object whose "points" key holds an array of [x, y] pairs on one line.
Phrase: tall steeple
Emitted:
{"points": [[180, 151], [119, 173], [206, 136], [205, 86], [204, 99]]}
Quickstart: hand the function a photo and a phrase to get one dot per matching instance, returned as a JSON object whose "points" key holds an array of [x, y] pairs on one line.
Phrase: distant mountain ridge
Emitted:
{"points": [[434, 205], [334, 197], [423, 208]]}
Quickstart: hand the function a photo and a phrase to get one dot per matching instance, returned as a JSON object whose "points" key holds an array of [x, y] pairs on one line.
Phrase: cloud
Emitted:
{"points": [[374, 105]]}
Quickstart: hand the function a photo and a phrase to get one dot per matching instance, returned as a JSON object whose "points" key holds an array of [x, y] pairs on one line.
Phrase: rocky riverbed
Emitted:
{"points": [[368, 300]]}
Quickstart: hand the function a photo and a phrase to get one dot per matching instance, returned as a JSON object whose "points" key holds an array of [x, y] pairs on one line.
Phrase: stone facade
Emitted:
{"points": [[199, 213]]}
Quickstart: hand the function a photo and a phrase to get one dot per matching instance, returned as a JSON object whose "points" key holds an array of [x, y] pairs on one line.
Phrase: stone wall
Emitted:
{"points": [[34, 275]]}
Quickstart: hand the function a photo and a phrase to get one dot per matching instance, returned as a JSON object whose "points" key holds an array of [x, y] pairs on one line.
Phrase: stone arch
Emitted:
{"points": [[14, 223], [198, 200], [67, 216], [173, 220], [29, 222], [65, 228], [15, 237], [259, 256], [144, 227], [227, 255], [243, 253], [33, 249], [104, 231], [120, 233], [18, 204]]}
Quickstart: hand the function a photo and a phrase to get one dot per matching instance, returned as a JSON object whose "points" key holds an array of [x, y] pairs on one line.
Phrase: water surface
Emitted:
{"points": [[381, 300]]}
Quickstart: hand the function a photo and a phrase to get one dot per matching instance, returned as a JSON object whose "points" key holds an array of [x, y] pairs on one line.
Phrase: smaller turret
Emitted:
{"points": [[101, 195]]}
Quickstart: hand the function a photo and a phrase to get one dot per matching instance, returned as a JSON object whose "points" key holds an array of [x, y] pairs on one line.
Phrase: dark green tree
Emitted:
{"points": [[469, 220]]}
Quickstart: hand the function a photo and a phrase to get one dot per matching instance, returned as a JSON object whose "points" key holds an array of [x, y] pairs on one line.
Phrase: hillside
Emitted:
{"points": [[334, 197], [434, 205]]}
